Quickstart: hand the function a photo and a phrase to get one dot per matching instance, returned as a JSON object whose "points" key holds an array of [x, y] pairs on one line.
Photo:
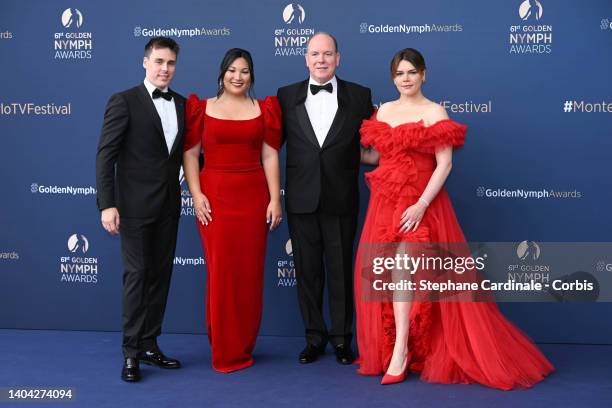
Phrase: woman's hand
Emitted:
{"points": [[274, 214], [411, 218], [201, 205]]}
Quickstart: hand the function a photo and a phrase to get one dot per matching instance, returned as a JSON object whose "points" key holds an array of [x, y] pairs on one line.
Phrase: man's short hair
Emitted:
{"points": [[161, 42]]}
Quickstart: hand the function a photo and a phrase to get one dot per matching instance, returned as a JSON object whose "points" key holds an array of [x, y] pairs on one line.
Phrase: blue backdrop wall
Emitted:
{"points": [[530, 79]]}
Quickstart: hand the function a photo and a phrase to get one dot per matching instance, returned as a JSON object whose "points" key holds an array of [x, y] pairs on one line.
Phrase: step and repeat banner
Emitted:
{"points": [[531, 79]]}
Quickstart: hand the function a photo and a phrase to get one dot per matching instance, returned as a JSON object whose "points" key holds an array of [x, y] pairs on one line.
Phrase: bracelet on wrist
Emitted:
{"points": [[424, 201]]}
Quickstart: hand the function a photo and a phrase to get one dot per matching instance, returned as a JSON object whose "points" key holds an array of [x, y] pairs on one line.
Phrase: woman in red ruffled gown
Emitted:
{"points": [[411, 139], [236, 198]]}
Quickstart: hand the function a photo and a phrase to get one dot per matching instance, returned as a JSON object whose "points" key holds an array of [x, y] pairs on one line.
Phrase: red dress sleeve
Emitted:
{"points": [[427, 139], [194, 121], [447, 132], [369, 130], [271, 112]]}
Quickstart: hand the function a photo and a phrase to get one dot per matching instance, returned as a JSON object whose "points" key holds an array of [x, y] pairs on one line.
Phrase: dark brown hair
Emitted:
{"points": [[412, 56], [161, 42]]}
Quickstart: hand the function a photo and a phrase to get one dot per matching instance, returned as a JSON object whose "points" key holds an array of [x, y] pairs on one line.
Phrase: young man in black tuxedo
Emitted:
{"points": [[321, 120], [137, 177]]}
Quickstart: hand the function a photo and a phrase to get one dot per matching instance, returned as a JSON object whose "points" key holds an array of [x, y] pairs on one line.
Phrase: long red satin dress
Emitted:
{"points": [[449, 342], [234, 242]]}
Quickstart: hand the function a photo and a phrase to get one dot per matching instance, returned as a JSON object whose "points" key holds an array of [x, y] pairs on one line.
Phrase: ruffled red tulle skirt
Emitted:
{"points": [[449, 342]]}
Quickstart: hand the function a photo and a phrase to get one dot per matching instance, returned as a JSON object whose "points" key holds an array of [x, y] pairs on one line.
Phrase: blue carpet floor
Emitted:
{"points": [[90, 363]]}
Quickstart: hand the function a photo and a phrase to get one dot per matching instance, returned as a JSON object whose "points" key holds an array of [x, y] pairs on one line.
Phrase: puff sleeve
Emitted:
{"points": [[445, 132], [194, 120], [272, 122]]}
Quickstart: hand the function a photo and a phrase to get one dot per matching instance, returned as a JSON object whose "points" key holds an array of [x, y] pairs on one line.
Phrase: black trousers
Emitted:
{"points": [[321, 239], [147, 248]]}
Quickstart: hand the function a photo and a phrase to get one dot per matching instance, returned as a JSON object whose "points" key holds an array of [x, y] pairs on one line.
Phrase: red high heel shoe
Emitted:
{"points": [[393, 379]]}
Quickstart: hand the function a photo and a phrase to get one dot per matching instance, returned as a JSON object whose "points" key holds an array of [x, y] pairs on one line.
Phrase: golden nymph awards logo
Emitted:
{"points": [[285, 271], [72, 43], [77, 266], [534, 38], [291, 39]]}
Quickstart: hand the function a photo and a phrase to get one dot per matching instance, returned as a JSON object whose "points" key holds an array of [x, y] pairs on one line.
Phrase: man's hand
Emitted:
{"points": [[110, 220]]}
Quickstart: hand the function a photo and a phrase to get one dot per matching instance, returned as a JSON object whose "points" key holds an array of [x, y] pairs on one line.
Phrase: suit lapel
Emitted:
{"points": [[340, 116], [302, 114], [180, 120], [147, 102]]}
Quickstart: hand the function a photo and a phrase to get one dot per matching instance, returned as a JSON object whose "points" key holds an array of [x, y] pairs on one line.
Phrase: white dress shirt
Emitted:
{"points": [[322, 108], [167, 114]]}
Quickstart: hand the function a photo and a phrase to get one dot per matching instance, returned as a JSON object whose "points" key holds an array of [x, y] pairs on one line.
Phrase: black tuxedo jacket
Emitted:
{"points": [[134, 171], [323, 178]]}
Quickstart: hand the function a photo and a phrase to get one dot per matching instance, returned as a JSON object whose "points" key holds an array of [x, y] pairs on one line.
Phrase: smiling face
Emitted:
{"points": [[408, 79], [160, 66], [237, 78], [322, 58]]}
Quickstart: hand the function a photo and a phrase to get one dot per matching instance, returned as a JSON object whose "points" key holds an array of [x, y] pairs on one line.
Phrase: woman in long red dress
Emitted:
{"points": [[236, 198], [411, 139]]}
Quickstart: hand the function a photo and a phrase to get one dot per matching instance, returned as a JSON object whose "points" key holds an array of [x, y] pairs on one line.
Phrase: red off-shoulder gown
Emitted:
{"points": [[234, 242], [449, 342]]}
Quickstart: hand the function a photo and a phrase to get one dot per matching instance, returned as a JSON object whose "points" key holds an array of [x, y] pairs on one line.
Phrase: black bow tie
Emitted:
{"points": [[159, 94], [316, 88]]}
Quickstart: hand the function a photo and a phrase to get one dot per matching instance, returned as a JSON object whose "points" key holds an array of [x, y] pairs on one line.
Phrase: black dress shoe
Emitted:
{"points": [[131, 370], [344, 354], [310, 354], [157, 358]]}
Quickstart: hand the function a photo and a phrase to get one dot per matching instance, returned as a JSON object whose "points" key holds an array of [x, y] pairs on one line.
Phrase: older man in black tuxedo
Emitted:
{"points": [[321, 120]]}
